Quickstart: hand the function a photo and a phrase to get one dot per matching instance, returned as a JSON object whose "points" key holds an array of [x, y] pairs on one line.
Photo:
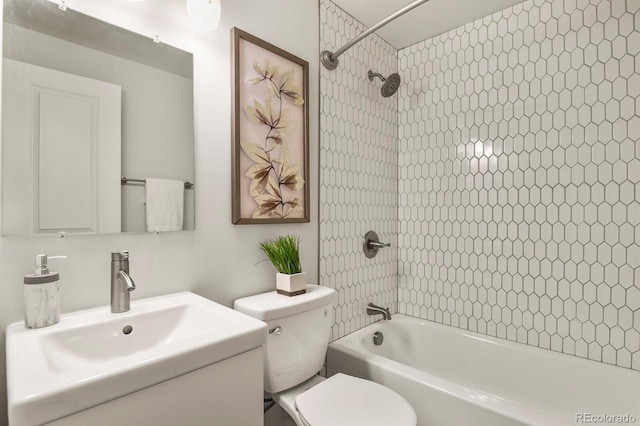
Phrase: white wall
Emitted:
{"points": [[218, 260]]}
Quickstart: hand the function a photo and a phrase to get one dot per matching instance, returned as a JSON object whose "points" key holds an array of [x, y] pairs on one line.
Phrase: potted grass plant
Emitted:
{"points": [[284, 254]]}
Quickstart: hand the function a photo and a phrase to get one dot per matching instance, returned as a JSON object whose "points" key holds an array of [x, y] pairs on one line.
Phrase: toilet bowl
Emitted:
{"points": [[299, 332]]}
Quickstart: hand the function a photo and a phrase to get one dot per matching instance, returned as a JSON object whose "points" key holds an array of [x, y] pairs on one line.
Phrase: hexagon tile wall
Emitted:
{"points": [[519, 177], [358, 173]]}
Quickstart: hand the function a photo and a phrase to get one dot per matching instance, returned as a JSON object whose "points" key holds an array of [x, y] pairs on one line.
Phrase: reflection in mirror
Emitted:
{"points": [[86, 103]]}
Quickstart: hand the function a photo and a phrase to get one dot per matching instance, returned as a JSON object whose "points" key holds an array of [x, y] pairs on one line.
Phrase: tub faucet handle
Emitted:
{"points": [[375, 244], [372, 244]]}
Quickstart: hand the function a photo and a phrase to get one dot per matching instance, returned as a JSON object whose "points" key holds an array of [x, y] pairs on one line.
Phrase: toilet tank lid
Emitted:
{"points": [[271, 305]]}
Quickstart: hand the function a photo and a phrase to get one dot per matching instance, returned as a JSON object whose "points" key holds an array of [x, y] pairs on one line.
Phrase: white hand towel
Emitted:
{"points": [[165, 205]]}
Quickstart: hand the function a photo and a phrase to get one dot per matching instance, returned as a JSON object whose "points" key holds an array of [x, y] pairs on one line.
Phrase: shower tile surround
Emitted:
{"points": [[358, 174], [518, 177]]}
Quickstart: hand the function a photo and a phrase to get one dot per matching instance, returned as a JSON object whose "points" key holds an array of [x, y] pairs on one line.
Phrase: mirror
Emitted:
{"points": [[85, 105]]}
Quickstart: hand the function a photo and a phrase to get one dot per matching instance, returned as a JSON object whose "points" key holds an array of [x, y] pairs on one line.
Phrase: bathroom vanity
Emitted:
{"points": [[174, 359]]}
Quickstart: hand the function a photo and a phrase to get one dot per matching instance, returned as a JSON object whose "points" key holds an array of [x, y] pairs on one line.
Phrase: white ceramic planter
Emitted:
{"points": [[291, 285]]}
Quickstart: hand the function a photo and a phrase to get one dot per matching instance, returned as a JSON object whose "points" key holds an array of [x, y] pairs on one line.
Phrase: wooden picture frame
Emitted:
{"points": [[269, 133]]}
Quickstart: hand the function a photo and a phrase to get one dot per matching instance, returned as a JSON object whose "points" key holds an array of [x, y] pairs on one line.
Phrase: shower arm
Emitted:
{"points": [[330, 59], [372, 74]]}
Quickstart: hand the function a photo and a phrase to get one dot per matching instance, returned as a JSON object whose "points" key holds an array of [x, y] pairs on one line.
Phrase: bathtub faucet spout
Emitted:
{"points": [[378, 310]]}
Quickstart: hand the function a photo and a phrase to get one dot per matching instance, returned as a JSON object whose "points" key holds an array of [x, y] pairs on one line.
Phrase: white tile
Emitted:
{"points": [[554, 94]]}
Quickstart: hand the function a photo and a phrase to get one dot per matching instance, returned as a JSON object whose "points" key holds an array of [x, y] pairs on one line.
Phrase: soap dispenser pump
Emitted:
{"points": [[42, 295]]}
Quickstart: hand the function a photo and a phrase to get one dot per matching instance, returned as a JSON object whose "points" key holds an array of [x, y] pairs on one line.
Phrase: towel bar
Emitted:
{"points": [[126, 180]]}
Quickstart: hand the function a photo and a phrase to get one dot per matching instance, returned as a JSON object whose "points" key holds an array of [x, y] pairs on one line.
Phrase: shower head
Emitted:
{"points": [[390, 84]]}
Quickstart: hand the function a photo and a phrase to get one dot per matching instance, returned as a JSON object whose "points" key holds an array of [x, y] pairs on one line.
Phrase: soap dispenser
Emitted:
{"points": [[41, 295]]}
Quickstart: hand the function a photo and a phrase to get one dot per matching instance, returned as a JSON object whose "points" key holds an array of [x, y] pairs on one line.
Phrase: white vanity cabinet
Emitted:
{"points": [[171, 360], [227, 393]]}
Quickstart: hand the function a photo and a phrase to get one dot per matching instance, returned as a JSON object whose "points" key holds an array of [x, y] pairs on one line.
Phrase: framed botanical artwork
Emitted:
{"points": [[269, 132]]}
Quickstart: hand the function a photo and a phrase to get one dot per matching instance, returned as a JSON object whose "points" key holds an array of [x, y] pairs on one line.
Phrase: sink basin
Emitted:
{"points": [[69, 349], [93, 356]]}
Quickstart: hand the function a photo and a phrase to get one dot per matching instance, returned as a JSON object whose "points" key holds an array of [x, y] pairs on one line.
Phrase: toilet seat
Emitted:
{"points": [[344, 400]]}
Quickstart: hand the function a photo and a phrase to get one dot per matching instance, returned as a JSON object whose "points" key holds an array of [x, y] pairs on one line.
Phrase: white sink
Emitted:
{"points": [[87, 359]]}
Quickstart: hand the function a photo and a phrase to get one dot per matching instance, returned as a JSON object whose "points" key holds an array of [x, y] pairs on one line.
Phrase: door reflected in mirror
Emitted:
{"points": [[86, 103]]}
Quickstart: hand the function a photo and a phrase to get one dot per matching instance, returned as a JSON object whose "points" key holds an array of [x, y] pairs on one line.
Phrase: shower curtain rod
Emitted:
{"points": [[330, 59]]}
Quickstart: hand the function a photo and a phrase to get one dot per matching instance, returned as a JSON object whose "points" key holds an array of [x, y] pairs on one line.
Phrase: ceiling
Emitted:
{"points": [[45, 17], [423, 22]]}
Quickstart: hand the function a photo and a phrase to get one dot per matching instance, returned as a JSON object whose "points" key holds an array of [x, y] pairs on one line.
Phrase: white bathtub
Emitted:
{"points": [[456, 377]]}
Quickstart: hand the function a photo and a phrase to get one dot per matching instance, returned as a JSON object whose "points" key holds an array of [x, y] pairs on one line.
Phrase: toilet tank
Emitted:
{"points": [[296, 350]]}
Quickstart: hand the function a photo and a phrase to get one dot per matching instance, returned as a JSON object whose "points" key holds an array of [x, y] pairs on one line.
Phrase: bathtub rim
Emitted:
{"points": [[351, 345]]}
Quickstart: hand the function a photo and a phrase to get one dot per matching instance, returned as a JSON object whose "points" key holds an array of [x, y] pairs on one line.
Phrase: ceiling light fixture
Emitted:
{"points": [[204, 14]]}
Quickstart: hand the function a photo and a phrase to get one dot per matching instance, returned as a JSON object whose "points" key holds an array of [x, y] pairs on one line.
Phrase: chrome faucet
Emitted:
{"points": [[121, 282], [377, 310]]}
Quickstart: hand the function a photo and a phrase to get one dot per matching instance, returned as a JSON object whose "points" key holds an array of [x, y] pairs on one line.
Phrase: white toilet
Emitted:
{"points": [[299, 332]]}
